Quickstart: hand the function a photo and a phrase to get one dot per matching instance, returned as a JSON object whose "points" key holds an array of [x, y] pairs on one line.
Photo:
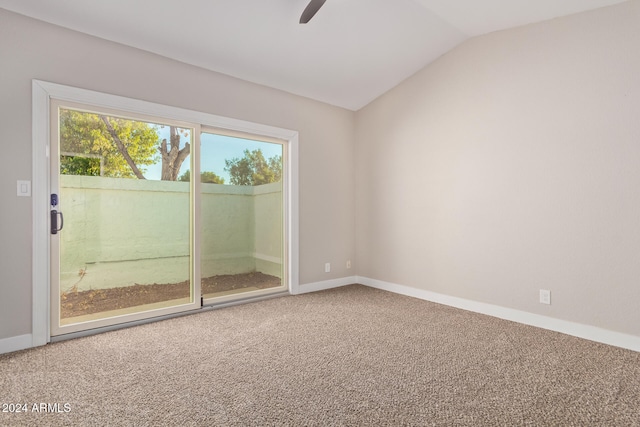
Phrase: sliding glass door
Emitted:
{"points": [[242, 216], [133, 236], [121, 219]]}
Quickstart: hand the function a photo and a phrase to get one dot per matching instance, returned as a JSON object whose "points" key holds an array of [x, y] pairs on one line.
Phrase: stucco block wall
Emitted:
{"points": [[127, 231], [228, 236], [268, 236]]}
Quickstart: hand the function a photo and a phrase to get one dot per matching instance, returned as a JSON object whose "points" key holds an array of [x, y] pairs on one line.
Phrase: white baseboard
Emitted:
{"points": [[8, 345], [579, 330], [326, 284], [592, 333]]}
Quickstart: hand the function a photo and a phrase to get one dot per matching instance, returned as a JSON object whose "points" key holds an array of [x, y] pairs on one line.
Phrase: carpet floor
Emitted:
{"points": [[352, 356]]}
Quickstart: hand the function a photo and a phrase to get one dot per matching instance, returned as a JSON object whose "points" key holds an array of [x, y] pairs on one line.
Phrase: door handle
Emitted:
{"points": [[54, 221]]}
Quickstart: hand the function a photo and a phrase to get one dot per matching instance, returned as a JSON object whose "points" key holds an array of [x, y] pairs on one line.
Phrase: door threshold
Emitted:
{"points": [[205, 307]]}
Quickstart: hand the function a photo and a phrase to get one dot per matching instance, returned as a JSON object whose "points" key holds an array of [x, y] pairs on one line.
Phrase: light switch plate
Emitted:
{"points": [[24, 188]]}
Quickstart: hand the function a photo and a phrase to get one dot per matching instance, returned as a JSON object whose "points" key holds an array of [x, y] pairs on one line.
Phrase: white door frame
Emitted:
{"points": [[42, 93]]}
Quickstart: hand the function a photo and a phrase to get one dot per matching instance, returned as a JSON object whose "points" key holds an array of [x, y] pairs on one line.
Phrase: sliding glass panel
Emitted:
{"points": [[124, 243], [242, 217]]}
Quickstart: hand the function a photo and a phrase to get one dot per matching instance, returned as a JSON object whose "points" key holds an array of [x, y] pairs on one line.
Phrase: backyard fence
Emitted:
{"points": [[120, 232]]}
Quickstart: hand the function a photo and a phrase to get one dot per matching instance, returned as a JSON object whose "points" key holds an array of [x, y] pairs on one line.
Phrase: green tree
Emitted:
{"points": [[205, 177], [80, 165], [254, 169], [94, 134], [125, 146]]}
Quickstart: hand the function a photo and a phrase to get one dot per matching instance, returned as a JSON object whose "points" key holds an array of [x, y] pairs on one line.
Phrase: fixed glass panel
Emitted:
{"points": [[242, 233], [125, 242]]}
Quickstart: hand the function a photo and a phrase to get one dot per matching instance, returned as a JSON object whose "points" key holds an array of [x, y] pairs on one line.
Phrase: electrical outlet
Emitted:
{"points": [[545, 296], [349, 264], [327, 267]]}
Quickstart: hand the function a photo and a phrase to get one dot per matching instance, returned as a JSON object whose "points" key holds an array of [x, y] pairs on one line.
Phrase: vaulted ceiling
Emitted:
{"points": [[350, 53]]}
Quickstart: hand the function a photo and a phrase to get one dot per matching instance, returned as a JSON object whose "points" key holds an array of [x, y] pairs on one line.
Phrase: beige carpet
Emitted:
{"points": [[350, 356]]}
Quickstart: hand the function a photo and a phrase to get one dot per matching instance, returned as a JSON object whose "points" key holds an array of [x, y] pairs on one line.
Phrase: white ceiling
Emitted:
{"points": [[351, 52]]}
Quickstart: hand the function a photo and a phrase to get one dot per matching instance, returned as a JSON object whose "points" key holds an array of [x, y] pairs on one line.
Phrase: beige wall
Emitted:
{"points": [[512, 164], [34, 50]]}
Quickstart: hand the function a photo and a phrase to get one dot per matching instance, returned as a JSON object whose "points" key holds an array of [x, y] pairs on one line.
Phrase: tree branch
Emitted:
{"points": [[121, 147], [182, 154]]}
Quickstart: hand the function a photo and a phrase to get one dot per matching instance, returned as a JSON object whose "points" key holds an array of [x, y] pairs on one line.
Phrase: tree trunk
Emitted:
{"points": [[173, 156]]}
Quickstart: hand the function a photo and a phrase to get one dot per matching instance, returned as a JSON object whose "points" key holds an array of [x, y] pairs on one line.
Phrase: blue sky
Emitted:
{"points": [[215, 149]]}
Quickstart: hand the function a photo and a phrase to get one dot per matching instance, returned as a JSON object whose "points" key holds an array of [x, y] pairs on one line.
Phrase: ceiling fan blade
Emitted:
{"points": [[310, 10]]}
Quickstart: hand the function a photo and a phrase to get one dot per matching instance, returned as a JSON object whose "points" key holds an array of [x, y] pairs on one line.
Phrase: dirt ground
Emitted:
{"points": [[98, 300]]}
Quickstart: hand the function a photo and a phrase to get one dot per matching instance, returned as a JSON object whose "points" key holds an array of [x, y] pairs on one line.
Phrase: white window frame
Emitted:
{"points": [[43, 92]]}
